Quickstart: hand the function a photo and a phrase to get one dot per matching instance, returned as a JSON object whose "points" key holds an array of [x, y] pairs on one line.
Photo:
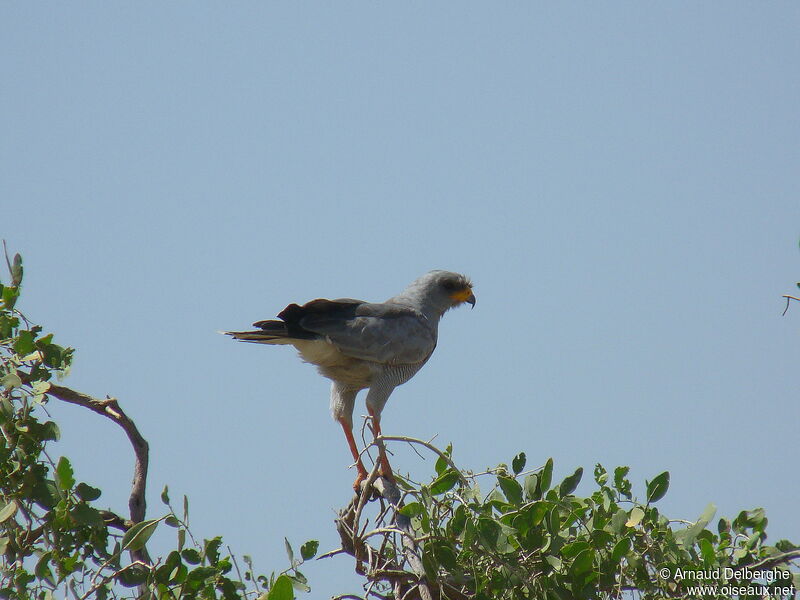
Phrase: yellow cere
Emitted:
{"points": [[462, 295]]}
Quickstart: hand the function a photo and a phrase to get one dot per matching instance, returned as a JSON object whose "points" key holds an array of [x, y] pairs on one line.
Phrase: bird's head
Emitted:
{"points": [[444, 290]]}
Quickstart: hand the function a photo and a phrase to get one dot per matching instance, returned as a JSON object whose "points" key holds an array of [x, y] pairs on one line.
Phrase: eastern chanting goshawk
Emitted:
{"points": [[363, 345]]}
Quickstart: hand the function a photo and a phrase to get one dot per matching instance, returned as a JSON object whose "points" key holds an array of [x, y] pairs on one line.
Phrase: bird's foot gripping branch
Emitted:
{"points": [[513, 532]]}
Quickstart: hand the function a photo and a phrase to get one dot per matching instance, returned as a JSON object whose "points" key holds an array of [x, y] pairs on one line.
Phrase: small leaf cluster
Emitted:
{"points": [[48, 528], [531, 537], [54, 539]]}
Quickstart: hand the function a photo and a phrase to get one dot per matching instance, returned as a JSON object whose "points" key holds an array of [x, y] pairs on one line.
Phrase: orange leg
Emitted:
{"points": [[386, 469], [362, 472]]}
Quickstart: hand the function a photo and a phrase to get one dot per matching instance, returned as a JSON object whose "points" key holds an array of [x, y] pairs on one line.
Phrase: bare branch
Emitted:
{"points": [[788, 299], [429, 446], [774, 561], [111, 409]]}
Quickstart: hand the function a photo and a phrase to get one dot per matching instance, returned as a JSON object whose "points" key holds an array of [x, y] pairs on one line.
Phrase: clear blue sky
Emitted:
{"points": [[621, 181]]}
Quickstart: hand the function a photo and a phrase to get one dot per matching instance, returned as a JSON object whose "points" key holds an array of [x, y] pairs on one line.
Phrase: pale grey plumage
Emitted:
{"points": [[361, 345]]}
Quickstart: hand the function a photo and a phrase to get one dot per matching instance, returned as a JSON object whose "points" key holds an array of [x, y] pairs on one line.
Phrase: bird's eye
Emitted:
{"points": [[449, 285]]}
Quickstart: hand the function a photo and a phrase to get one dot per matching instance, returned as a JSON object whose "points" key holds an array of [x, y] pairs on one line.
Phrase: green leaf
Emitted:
{"points": [[42, 568], [136, 537], [165, 495], [211, 549], [570, 483], [546, 477], [50, 431], [412, 509], [10, 295], [445, 554], [133, 576], [573, 549], [199, 575], [299, 582], [658, 487], [86, 492], [441, 464], [583, 563], [707, 552], [289, 551], [172, 521], [16, 270], [40, 387], [600, 474], [86, 516], [537, 511], [8, 511], [52, 355], [7, 323], [488, 532], [444, 482], [621, 548], [518, 463], [724, 526], [281, 589], [25, 344], [191, 556], [455, 526], [621, 482], [686, 537], [65, 477], [11, 380], [309, 549], [429, 563], [470, 533], [511, 489], [636, 516], [530, 484]]}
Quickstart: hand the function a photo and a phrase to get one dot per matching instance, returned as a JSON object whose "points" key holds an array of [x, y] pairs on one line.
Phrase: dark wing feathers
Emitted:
{"points": [[375, 332], [295, 317], [320, 308]]}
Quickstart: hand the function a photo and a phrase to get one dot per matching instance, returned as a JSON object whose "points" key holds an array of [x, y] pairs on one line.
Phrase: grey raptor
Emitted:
{"points": [[360, 345]]}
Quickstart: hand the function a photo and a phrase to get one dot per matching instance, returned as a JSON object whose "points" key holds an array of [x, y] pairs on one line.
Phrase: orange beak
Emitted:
{"points": [[464, 295]]}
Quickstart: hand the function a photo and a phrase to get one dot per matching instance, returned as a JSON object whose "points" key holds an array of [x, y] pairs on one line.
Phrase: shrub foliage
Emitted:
{"points": [[525, 536]]}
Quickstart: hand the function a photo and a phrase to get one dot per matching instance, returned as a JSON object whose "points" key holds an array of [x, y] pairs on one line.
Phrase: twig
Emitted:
{"points": [[331, 553], [774, 561], [788, 299], [235, 564], [428, 445], [111, 409], [112, 519], [411, 552], [366, 492], [113, 575], [8, 262]]}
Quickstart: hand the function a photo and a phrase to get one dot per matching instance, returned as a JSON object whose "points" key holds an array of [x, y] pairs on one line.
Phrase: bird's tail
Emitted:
{"points": [[271, 332]]}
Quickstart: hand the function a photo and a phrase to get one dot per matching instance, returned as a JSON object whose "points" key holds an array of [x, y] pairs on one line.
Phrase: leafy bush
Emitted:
{"points": [[53, 535], [528, 537]]}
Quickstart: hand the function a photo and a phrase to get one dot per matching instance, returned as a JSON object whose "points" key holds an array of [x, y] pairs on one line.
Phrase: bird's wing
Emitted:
{"points": [[383, 333]]}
